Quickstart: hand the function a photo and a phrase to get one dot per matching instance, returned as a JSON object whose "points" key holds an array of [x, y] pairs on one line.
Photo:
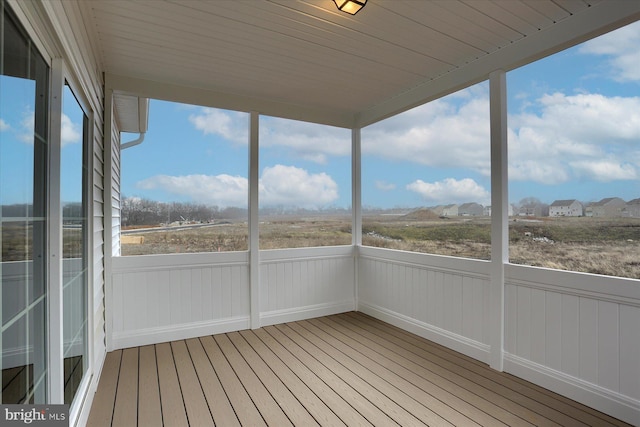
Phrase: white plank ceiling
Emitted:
{"points": [[307, 54]]}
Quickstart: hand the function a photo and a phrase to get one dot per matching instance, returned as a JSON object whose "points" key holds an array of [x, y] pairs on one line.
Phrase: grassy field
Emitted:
{"points": [[18, 238], [592, 245]]}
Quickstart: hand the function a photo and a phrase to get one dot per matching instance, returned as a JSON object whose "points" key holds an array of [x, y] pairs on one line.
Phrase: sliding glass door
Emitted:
{"points": [[23, 218], [44, 227]]}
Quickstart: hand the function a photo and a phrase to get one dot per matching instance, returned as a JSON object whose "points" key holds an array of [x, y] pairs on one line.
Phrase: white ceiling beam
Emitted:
{"points": [[209, 98]]}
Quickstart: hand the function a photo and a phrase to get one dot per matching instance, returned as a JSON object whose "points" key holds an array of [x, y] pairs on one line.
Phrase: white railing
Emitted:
{"points": [[159, 298], [577, 334], [574, 333]]}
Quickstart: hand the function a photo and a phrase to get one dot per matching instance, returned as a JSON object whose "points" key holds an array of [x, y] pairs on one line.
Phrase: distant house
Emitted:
{"points": [[531, 209], [470, 209], [632, 209], [566, 208], [609, 207]]}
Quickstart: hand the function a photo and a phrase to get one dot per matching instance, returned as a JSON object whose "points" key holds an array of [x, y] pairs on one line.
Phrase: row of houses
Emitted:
{"points": [[607, 207], [465, 209]]}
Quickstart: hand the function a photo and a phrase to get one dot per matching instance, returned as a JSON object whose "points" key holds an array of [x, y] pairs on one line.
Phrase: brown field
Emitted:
{"points": [[591, 245]]}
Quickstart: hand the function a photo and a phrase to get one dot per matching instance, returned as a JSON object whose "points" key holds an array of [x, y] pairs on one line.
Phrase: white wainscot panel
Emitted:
{"points": [[441, 298], [159, 298], [302, 283], [577, 334]]}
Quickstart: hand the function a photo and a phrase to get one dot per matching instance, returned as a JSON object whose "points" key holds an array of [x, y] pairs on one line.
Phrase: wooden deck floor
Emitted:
{"points": [[347, 369]]}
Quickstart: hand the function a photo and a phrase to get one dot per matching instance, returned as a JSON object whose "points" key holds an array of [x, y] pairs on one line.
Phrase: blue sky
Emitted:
{"points": [[574, 132], [17, 148]]}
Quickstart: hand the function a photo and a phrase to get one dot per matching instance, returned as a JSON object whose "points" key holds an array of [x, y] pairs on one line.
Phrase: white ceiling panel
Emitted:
{"points": [[306, 53]]}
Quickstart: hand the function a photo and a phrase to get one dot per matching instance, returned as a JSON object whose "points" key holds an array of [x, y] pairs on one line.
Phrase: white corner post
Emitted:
{"points": [[356, 207], [109, 146], [254, 246], [356, 188], [499, 214]]}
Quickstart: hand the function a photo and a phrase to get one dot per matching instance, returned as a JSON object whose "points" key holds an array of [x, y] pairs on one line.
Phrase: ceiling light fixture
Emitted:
{"points": [[350, 6]]}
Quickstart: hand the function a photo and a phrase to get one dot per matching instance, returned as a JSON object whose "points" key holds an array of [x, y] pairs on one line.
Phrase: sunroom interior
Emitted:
{"points": [[99, 63]]}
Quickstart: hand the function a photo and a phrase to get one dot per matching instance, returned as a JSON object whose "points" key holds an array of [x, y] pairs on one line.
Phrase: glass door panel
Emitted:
{"points": [[73, 190], [23, 217]]}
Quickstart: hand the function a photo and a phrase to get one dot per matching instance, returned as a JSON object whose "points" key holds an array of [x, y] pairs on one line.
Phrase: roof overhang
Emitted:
{"points": [[131, 112], [281, 57]]}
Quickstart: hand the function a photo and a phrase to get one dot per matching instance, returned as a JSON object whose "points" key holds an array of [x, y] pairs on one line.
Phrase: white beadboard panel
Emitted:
{"points": [[569, 352], [629, 351], [608, 351], [301, 283], [588, 340], [553, 333], [158, 298], [576, 334], [442, 298]]}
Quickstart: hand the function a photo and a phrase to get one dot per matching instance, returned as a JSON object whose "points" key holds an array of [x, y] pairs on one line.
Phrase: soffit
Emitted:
{"points": [[131, 112], [306, 54]]}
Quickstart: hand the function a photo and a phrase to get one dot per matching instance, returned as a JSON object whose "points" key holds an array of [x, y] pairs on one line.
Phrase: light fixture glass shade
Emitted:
{"points": [[350, 6]]}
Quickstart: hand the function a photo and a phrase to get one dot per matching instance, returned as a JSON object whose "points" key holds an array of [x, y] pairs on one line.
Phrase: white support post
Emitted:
{"points": [[356, 188], [499, 214], [55, 292], [254, 246], [356, 206]]}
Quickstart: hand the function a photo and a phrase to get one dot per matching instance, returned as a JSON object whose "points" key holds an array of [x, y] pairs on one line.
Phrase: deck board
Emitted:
{"points": [[173, 410], [219, 404], [340, 385], [149, 407], [478, 403], [383, 394], [246, 411], [125, 411], [414, 386], [195, 402], [103, 402], [339, 406], [522, 394], [272, 413], [346, 369], [313, 404], [289, 403]]}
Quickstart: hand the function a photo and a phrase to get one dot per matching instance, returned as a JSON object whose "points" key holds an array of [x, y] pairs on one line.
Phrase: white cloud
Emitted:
{"points": [[292, 186], [449, 132], [4, 126], [27, 125], [451, 190], [384, 186], [219, 190], [71, 132], [605, 170], [575, 137], [621, 46], [230, 125], [308, 141], [279, 185], [556, 138]]}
